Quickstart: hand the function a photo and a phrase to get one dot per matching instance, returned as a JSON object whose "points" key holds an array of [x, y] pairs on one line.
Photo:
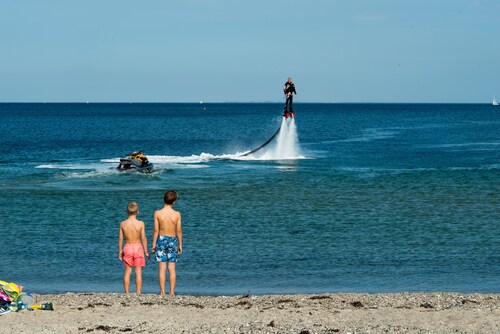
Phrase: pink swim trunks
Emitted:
{"points": [[133, 255]]}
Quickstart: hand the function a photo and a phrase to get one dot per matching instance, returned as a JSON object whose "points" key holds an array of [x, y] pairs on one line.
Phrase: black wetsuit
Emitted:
{"points": [[289, 90]]}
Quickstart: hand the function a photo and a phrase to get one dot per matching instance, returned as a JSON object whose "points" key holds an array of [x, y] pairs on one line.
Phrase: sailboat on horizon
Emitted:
{"points": [[495, 103]]}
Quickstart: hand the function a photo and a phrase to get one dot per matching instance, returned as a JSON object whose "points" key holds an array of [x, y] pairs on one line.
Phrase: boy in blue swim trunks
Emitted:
{"points": [[167, 240]]}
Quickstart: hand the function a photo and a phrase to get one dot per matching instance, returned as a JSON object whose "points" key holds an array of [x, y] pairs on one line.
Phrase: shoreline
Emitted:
{"points": [[436, 312]]}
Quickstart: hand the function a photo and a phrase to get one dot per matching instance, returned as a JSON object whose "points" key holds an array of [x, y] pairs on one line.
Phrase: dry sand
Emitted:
{"points": [[328, 313]]}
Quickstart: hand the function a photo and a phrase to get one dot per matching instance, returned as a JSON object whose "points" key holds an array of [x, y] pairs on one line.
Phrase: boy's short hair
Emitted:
{"points": [[132, 208], [170, 197]]}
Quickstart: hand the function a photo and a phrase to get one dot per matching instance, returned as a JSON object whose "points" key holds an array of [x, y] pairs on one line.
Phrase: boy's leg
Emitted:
{"points": [[172, 277], [162, 267], [126, 278], [138, 279]]}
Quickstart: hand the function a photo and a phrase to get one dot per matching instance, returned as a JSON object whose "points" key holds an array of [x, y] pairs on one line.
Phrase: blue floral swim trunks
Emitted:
{"points": [[166, 249]]}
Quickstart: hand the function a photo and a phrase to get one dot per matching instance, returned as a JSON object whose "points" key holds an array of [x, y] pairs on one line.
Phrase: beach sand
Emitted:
{"points": [[326, 313]]}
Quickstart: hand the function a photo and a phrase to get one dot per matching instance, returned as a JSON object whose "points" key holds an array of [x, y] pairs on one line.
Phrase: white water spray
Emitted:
{"points": [[286, 145]]}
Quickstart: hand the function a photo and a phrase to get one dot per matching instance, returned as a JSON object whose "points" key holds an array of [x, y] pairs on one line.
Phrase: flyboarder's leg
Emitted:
{"points": [[287, 109]]}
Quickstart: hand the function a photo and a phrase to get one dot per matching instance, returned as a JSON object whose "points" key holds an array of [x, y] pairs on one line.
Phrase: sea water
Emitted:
{"points": [[351, 197]]}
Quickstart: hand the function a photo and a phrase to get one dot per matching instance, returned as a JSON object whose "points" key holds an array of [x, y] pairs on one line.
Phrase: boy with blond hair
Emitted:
{"points": [[167, 240], [136, 246]]}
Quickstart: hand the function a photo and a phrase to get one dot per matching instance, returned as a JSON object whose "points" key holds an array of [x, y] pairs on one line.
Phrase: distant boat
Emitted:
{"points": [[495, 103]]}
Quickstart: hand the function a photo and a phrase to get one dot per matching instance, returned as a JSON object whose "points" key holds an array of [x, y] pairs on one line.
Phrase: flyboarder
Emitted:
{"points": [[289, 90]]}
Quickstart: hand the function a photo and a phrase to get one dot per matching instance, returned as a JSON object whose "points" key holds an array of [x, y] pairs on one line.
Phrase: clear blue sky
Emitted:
{"points": [[214, 50]]}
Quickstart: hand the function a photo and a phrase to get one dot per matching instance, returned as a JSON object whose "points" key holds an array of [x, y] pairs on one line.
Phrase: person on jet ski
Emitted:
{"points": [[141, 157], [289, 90]]}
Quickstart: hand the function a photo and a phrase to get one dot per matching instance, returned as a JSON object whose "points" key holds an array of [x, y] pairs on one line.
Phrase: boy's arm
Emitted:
{"points": [[144, 240], [179, 233], [120, 243], [156, 227]]}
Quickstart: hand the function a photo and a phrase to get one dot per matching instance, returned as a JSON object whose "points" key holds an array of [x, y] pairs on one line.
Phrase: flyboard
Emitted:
{"points": [[286, 116]]}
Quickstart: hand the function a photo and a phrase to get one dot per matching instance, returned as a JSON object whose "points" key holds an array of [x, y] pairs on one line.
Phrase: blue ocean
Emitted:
{"points": [[375, 197]]}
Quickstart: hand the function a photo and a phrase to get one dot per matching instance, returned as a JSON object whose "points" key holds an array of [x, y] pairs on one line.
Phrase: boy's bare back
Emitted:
{"points": [[133, 230], [167, 219]]}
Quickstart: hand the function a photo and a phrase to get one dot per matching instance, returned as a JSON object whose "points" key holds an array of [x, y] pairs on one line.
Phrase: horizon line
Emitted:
{"points": [[227, 102]]}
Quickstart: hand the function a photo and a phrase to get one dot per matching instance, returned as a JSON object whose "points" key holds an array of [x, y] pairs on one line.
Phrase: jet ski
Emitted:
{"points": [[136, 161]]}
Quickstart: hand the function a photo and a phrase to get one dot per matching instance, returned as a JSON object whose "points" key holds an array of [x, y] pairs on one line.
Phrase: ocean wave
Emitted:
{"points": [[84, 175], [161, 163], [377, 171], [367, 135], [463, 145]]}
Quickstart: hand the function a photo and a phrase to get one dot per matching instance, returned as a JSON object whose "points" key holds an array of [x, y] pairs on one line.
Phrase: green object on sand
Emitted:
{"points": [[44, 306]]}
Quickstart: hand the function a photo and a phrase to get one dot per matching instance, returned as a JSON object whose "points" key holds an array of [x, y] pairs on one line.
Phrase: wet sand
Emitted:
{"points": [[326, 313]]}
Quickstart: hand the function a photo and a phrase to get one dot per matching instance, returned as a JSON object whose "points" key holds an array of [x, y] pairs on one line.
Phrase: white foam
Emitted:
{"points": [[72, 166], [181, 160], [284, 147]]}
